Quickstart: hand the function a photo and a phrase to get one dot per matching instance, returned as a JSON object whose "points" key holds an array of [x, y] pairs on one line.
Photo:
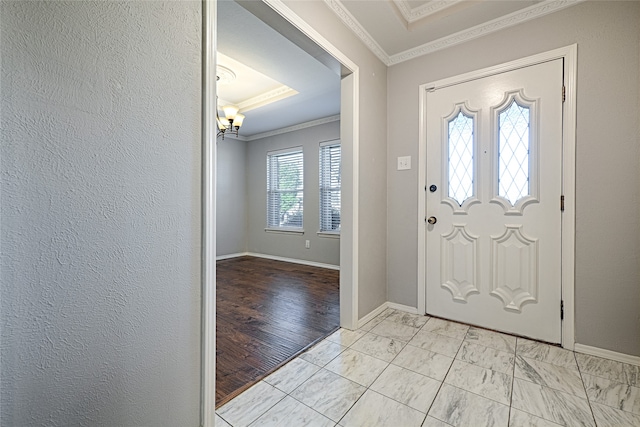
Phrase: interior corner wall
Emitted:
{"points": [[231, 196], [100, 206], [607, 286], [372, 155], [324, 250]]}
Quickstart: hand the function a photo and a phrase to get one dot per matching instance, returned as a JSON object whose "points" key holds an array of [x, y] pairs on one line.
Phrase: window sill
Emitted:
{"points": [[329, 234], [298, 231]]}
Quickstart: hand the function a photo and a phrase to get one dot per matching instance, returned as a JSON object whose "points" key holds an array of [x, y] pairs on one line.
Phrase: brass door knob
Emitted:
{"points": [[432, 220]]}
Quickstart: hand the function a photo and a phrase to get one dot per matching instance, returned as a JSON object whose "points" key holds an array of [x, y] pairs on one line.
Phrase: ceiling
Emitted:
{"points": [[283, 79]]}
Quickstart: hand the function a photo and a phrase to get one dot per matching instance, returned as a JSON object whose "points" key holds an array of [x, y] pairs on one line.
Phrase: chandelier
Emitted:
{"points": [[231, 122]]}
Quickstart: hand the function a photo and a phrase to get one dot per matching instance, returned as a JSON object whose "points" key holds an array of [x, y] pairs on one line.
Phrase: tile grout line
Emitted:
{"points": [[388, 364], [444, 378], [593, 416], [513, 380], [367, 387]]}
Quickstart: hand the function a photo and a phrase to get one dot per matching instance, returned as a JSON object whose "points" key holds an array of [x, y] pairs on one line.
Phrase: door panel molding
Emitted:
{"points": [[460, 207], [569, 56], [534, 170]]}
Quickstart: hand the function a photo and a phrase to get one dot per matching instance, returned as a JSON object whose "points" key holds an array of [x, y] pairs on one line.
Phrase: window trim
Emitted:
{"points": [[277, 153], [321, 232]]}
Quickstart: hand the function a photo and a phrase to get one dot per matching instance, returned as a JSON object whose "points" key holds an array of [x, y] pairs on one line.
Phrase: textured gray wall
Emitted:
{"points": [[607, 284], [231, 196], [100, 214], [322, 249], [372, 129]]}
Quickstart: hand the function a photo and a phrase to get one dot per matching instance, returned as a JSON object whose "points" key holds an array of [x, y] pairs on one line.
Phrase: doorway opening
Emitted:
{"points": [[347, 73]]}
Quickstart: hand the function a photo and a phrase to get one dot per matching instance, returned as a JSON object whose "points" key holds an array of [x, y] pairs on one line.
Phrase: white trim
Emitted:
{"points": [[569, 55], [422, 190], [413, 14], [607, 354], [510, 20], [403, 308], [289, 150], [355, 223], [395, 306], [208, 220], [569, 126], [373, 313], [299, 231], [328, 234], [330, 142], [294, 261], [229, 256], [266, 98], [293, 128], [348, 288], [532, 12], [352, 23]]}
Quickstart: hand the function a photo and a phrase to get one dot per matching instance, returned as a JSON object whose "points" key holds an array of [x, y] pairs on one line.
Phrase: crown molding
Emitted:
{"points": [[266, 98], [412, 15], [261, 100], [352, 23], [300, 126], [532, 12], [515, 18]]}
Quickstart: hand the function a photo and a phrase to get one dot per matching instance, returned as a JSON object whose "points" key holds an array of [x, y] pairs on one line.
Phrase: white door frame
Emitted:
{"points": [[569, 55], [350, 119]]}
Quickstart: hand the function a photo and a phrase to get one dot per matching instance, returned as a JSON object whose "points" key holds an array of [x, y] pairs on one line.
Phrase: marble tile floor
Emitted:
{"points": [[404, 370]]}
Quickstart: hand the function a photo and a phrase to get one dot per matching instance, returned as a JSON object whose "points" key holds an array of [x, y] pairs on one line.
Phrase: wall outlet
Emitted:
{"points": [[306, 244], [404, 163]]}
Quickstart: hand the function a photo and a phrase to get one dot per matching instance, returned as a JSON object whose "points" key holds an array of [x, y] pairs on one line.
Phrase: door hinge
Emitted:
{"points": [[562, 203], [564, 93], [561, 310]]}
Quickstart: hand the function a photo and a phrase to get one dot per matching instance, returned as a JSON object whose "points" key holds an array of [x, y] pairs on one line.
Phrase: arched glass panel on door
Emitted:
{"points": [[513, 169], [460, 141]]}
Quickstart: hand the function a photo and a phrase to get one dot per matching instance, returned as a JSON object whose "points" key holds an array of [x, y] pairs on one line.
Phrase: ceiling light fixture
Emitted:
{"points": [[231, 122]]}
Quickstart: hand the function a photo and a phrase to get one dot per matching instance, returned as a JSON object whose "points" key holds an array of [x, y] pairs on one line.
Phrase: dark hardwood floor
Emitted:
{"points": [[266, 313]]}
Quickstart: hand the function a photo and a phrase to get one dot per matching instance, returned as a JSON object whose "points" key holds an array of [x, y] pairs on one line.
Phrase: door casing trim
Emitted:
{"points": [[569, 55]]}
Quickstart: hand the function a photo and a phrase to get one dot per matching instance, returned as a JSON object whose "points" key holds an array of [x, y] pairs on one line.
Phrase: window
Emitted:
{"points": [[514, 153], [330, 187], [285, 189], [461, 158]]}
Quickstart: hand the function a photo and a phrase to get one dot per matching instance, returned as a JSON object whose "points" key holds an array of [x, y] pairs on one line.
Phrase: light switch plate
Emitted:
{"points": [[404, 163]]}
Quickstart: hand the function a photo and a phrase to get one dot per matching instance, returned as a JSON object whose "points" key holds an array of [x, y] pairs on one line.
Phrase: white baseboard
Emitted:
{"points": [[401, 307], [607, 354], [295, 261], [229, 256], [372, 314], [383, 307]]}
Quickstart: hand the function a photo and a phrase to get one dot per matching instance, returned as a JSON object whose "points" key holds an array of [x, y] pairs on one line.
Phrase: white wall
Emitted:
{"points": [[372, 129], [324, 250], [100, 210], [608, 158], [231, 196]]}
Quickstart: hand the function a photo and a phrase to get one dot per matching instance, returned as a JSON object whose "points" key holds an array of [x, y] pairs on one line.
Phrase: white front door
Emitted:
{"points": [[493, 189]]}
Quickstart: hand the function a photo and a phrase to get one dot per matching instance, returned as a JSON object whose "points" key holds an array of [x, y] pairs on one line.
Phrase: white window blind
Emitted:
{"points": [[285, 189], [330, 186]]}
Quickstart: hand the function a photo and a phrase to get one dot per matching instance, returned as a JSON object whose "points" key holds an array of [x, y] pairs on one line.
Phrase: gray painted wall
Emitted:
{"points": [[608, 158], [100, 203], [324, 250], [372, 129], [231, 196]]}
